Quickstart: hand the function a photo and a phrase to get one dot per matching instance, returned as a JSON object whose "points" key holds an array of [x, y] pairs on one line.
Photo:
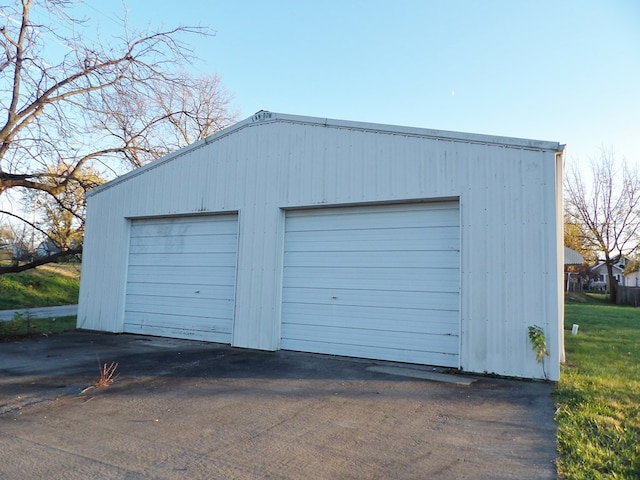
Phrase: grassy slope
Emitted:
{"points": [[45, 286], [21, 327], [598, 395]]}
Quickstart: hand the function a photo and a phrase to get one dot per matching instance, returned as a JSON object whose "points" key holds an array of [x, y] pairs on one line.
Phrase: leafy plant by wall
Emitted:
{"points": [[539, 345]]}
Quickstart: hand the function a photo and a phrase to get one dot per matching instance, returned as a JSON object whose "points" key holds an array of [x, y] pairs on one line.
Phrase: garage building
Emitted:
{"points": [[337, 237]]}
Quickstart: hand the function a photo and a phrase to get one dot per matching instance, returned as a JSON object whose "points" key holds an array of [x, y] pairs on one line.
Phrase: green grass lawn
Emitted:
{"points": [[23, 327], [598, 396], [55, 284]]}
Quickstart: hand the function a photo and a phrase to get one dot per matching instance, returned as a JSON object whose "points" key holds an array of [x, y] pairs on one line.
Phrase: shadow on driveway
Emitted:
{"points": [[185, 409]]}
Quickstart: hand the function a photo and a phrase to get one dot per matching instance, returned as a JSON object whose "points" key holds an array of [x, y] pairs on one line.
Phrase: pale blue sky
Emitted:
{"points": [[566, 71]]}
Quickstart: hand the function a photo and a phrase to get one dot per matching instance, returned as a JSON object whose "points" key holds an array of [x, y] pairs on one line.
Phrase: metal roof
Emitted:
{"points": [[263, 117]]}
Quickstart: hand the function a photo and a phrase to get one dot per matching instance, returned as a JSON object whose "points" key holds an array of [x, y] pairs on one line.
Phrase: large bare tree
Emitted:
{"points": [[70, 100], [603, 204]]}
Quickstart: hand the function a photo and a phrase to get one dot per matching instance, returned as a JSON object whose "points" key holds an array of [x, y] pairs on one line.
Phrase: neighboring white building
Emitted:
{"points": [[338, 237], [632, 279], [573, 280], [571, 257]]}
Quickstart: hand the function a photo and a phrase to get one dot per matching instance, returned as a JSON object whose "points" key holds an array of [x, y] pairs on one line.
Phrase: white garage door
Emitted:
{"points": [[181, 277], [374, 282]]}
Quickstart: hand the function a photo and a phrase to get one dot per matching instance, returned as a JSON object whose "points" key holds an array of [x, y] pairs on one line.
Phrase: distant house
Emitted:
{"points": [[600, 274], [631, 274], [632, 279], [6, 253], [14, 252], [574, 276], [46, 248]]}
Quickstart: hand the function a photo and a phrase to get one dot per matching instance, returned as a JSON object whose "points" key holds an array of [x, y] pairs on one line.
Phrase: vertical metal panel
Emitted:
{"points": [[508, 255], [105, 247], [507, 206]]}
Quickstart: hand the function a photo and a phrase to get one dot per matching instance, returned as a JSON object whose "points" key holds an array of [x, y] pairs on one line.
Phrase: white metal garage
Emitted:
{"points": [[181, 277], [350, 238], [376, 282]]}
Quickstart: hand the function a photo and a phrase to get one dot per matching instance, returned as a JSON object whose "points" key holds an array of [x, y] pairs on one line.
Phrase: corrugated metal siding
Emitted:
{"points": [[508, 259], [378, 282], [571, 257], [507, 201], [104, 267]]}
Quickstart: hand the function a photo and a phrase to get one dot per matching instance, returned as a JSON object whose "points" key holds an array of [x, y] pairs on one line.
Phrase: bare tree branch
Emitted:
{"points": [[117, 103], [54, 257]]}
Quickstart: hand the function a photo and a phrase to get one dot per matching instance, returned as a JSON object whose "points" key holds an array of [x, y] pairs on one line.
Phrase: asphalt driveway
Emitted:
{"points": [[184, 409]]}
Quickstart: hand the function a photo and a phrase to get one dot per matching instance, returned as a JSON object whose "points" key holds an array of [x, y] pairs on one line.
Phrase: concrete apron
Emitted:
{"points": [[184, 409]]}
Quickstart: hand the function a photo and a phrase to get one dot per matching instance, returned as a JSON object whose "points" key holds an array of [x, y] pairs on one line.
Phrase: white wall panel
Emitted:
{"points": [[506, 189]]}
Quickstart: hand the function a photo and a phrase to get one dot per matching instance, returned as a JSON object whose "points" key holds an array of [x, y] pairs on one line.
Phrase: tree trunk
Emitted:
{"points": [[612, 283]]}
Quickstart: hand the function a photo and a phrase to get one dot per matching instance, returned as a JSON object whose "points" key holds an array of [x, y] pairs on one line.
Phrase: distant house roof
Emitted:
{"points": [[619, 265], [603, 267], [571, 257]]}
